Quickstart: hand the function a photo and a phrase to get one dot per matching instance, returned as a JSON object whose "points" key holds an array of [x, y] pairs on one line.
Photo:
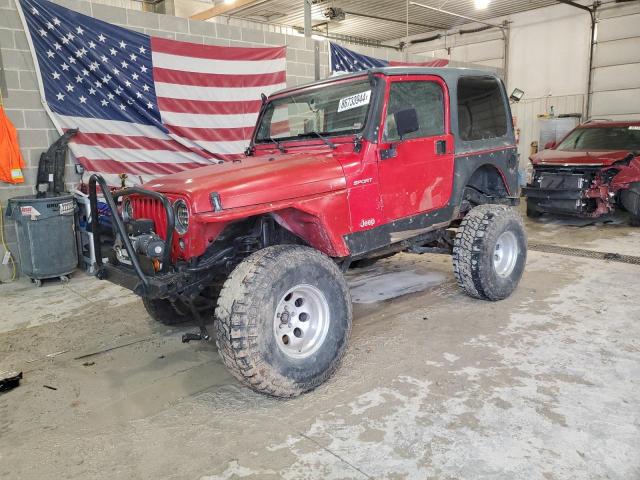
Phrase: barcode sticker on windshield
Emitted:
{"points": [[634, 127], [354, 101]]}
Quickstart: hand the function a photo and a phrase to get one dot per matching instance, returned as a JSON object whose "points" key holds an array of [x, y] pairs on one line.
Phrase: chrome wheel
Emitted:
{"points": [[301, 321], [505, 254]]}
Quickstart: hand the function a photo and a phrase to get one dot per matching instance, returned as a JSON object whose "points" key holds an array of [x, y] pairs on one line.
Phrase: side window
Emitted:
{"points": [[428, 100], [481, 109]]}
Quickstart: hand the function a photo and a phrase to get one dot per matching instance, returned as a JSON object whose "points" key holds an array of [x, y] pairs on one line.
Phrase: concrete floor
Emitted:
{"points": [[543, 385]]}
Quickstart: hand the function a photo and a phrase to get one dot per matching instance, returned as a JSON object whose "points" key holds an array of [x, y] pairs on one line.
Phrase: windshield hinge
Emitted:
{"points": [[357, 143]]}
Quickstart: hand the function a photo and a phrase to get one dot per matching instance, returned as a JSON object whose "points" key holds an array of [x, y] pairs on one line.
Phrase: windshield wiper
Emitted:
{"points": [[326, 141], [278, 144]]}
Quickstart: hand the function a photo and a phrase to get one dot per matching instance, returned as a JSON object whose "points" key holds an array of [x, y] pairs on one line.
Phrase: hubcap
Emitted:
{"points": [[301, 321], [505, 254]]}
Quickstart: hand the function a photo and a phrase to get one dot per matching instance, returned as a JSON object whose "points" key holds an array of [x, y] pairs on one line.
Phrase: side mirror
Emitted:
{"points": [[406, 122], [549, 145]]}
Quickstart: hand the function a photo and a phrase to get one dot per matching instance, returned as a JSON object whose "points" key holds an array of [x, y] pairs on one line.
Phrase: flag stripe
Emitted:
{"points": [[134, 168], [211, 134], [121, 141], [98, 125], [213, 52], [127, 155], [166, 75], [211, 108], [205, 65], [208, 121], [209, 94]]}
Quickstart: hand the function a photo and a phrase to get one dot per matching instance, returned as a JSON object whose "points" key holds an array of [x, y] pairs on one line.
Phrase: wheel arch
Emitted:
{"points": [[285, 226], [488, 179], [478, 184]]}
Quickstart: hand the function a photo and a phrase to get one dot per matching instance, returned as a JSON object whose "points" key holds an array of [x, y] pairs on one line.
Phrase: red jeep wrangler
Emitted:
{"points": [[351, 168], [593, 171]]}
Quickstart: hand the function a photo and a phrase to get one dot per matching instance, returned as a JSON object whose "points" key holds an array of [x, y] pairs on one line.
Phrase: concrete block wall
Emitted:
{"points": [[24, 107]]}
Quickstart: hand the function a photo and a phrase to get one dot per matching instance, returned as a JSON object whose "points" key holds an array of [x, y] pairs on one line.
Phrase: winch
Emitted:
{"points": [[144, 240]]}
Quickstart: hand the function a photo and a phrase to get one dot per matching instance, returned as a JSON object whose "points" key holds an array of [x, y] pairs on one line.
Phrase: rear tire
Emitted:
{"points": [[283, 320], [490, 252], [163, 311]]}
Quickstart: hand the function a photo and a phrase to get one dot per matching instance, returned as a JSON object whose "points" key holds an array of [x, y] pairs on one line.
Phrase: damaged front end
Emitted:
{"points": [[582, 190], [579, 191]]}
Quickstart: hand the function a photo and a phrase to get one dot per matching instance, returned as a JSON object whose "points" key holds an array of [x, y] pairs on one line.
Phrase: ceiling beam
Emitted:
{"points": [[471, 19], [223, 9]]}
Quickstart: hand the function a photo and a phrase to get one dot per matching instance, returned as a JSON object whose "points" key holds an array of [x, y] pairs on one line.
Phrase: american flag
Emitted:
{"points": [[344, 60], [146, 106]]}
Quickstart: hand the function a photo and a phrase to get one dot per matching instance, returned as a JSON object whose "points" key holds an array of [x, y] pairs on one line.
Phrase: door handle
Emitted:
{"points": [[441, 147]]}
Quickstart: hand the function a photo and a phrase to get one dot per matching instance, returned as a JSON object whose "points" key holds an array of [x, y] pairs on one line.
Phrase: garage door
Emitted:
{"points": [[616, 73]]}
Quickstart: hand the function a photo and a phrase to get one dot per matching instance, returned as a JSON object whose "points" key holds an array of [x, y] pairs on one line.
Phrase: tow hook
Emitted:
{"points": [[203, 334]]}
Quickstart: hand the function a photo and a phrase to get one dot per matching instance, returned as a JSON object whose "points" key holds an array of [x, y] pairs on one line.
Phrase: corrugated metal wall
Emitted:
{"points": [[616, 73]]}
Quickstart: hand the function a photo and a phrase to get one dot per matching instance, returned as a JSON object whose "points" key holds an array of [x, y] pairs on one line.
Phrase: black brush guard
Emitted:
{"points": [[131, 278]]}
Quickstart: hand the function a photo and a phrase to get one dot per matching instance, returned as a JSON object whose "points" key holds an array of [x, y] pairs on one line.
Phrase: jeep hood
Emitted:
{"points": [[578, 158], [255, 180]]}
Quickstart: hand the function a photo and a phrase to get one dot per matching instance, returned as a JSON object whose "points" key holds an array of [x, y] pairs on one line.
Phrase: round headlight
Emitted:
{"points": [[127, 209], [182, 216]]}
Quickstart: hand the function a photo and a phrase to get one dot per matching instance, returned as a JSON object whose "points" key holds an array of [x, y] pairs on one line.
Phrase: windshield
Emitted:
{"points": [[329, 110], [605, 138]]}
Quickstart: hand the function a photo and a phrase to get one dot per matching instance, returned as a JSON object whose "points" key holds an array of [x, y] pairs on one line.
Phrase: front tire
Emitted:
{"points": [[283, 320], [490, 252]]}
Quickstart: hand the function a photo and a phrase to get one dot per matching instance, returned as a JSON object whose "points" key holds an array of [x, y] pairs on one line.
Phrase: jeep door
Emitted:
{"points": [[416, 172]]}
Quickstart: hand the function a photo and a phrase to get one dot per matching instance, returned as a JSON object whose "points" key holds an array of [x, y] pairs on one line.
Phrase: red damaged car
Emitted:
{"points": [[593, 171]]}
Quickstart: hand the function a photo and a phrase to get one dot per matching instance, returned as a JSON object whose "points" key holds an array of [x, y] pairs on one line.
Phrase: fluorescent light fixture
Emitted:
{"points": [[229, 2], [481, 4]]}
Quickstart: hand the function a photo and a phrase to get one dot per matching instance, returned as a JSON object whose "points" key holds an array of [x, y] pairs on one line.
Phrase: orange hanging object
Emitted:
{"points": [[11, 161]]}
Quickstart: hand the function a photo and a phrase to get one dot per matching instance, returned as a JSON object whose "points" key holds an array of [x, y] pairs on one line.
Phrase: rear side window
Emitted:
{"points": [[428, 100], [481, 109]]}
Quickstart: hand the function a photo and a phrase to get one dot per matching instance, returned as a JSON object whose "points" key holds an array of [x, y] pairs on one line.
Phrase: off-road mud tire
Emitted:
{"points": [[473, 252], [532, 211], [244, 320], [164, 312]]}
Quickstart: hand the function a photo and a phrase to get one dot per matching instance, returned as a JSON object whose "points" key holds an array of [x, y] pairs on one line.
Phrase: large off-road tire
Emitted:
{"points": [[532, 211], [163, 311], [490, 252], [283, 320]]}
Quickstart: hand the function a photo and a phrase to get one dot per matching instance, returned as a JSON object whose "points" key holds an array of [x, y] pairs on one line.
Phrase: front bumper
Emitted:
{"points": [[132, 277], [159, 286]]}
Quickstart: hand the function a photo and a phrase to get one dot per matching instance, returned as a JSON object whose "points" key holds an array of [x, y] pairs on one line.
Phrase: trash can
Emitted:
{"points": [[45, 229]]}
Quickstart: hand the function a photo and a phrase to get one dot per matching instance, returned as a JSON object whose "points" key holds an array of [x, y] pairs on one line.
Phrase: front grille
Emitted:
{"points": [[146, 207]]}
